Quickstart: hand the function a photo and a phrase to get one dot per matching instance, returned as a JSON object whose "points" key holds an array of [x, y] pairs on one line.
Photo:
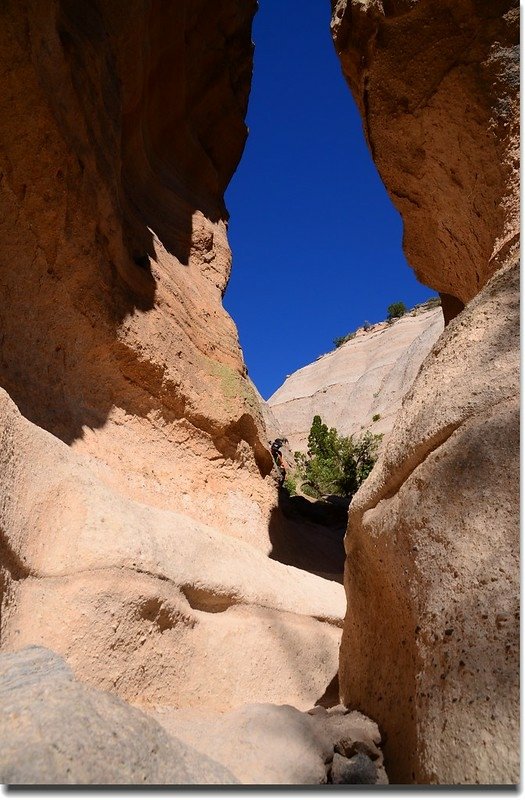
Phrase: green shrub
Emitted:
{"points": [[396, 310], [339, 340], [433, 302], [376, 417], [290, 484], [335, 464]]}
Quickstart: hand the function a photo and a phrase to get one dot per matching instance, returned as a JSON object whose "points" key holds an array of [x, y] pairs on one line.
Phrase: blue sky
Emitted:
{"points": [[316, 241]]}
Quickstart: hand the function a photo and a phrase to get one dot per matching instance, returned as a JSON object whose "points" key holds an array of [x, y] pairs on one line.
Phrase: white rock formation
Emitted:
{"points": [[368, 375]]}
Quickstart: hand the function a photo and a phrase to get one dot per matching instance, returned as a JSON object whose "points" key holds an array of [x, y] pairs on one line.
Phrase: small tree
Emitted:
{"points": [[396, 310], [335, 464], [340, 340]]}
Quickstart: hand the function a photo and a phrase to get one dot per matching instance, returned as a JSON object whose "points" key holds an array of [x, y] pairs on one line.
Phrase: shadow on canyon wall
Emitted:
{"points": [[124, 136], [309, 534]]}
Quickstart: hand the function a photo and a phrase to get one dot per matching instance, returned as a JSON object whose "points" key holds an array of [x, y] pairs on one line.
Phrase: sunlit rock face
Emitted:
{"points": [[430, 643], [122, 126], [135, 476], [446, 76], [360, 385]]}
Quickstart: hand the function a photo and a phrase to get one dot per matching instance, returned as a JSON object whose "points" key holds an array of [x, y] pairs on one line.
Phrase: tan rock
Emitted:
{"points": [[431, 640], [437, 87], [368, 375], [135, 475], [274, 744], [148, 602], [54, 730], [113, 232], [430, 644]]}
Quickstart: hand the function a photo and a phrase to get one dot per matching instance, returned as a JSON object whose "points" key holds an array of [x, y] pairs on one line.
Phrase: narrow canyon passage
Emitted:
{"points": [[168, 614], [309, 534]]}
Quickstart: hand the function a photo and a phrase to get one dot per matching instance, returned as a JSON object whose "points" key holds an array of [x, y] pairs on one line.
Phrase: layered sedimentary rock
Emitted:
{"points": [[430, 645], [366, 377], [135, 474]]}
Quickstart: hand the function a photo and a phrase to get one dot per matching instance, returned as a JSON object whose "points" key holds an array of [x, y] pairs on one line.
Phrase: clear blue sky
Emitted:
{"points": [[316, 241]]}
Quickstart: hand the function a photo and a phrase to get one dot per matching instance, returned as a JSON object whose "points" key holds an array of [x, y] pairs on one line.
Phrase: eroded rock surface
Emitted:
{"points": [[54, 730], [367, 376], [135, 473], [277, 744], [437, 86], [430, 644], [118, 141], [433, 560], [149, 602]]}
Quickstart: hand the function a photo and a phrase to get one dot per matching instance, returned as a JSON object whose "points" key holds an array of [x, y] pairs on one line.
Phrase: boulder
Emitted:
{"points": [[54, 730], [358, 769], [277, 744]]}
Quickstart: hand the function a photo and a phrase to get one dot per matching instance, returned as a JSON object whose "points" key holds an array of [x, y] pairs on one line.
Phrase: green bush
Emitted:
{"points": [[433, 302], [290, 484], [339, 340], [335, 464], [376, 417], [396, 310]]}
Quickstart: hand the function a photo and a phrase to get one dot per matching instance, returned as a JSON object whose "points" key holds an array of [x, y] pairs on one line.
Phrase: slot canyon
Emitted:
{"points": [[151, 578]]}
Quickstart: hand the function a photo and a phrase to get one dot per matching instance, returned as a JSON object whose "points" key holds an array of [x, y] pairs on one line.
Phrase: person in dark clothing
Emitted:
{"points": [[278, 457]]}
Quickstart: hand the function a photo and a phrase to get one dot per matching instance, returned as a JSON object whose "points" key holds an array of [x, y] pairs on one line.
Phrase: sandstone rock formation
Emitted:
{"points": [[368, 375], [54, 730], [148, 602], [118, 141], [136, 487], [272, 744], [430, 645], [437, 86]]}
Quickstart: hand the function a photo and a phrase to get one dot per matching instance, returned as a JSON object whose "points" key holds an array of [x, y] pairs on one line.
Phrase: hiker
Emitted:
{"points": [[278, 457]]}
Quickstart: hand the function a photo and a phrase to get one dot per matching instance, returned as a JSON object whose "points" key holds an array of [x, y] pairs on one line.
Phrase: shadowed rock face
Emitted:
{"points": [[436, 84], [135, 492], [123, 124], [57, 731], [430, 645]]}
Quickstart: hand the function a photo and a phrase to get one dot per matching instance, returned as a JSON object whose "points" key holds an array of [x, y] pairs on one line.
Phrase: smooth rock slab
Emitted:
{"points": [[55, 730], [267, 744]]}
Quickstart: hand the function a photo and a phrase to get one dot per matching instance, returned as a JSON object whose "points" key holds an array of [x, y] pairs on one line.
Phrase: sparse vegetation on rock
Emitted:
{"points": [[396, 310], [340, 340], [432, 302]]}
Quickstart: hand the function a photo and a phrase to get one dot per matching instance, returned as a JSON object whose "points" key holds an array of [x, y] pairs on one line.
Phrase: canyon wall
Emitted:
{"points": [[431, 638], [367, 376], [118, 141], [135, 476], [436, 84]]}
